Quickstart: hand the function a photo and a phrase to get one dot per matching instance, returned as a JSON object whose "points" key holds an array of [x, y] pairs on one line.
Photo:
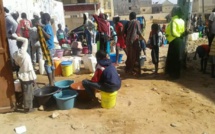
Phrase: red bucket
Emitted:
{"points": [[85, 50]]}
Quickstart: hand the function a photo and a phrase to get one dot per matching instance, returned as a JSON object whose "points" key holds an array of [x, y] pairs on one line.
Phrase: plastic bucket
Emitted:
{"points": [[44, 95], [41, 66], [113, 58], [58, 70], [85, 50], [108, 100], [66, 68], [64, 84], [92, 64], [65, 99], [76, 65], [17, 86], [59, 53], [108, 47], [94, 48]]}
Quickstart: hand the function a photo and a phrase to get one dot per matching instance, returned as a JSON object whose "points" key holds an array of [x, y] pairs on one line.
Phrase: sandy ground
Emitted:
{"points": [[145, 105]]}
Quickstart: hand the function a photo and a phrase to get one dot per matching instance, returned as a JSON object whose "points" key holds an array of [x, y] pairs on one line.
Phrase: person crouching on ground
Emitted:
{"points": [[105, 78], [202, 51], [26, 72]]}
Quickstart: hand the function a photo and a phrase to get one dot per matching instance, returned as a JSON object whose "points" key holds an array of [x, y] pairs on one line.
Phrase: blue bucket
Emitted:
{"points": [[64, 84], [65, 99], [113, 58]]}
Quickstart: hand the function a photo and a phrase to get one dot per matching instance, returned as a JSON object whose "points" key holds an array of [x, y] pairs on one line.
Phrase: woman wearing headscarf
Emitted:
{"points": [[133, 34], [174, 31], [103, 29]]}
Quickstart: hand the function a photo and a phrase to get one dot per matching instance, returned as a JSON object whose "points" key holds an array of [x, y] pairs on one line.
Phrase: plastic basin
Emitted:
{"points": [[44, 96], [113, 58], [64, 84], [65, 99]]}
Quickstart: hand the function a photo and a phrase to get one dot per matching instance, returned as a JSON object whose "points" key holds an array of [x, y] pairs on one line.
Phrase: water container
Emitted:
{"points": [[66, 68], [64, 84], [92, 64], [59, 53], [85, 50], [58, 70], [41, 66], [17, 86], [65, 99], [108, 47], [108, 100], [94, 48], [76, 65], [86, 60], [113, 58]]}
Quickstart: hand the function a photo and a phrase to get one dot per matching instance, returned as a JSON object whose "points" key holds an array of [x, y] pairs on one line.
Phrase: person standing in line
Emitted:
{"points": [[11, 28], [61, 35], [119, 28], [33, 37], [26, 72], [133, 34], [102, 28], [46, 38], [89, 26], [174, 33], [211, 27], [23, 30], [154, 45]]}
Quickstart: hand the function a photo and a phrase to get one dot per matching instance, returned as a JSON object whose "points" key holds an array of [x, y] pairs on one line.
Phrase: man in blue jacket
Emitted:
{"points": [[105, 78]]}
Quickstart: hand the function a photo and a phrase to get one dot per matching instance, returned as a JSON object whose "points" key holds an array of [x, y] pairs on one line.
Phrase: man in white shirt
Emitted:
{"points": [[26, 72]]}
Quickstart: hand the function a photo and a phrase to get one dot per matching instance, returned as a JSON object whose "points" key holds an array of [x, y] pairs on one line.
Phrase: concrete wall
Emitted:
{"points": [[167, 8], [208, 6], [145, 10], [73, 23]]}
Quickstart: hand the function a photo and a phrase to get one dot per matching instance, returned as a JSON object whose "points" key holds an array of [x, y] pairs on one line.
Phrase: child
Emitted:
{"points": [[61, 35], [202, 51], [26, 72], [119, 28], [105, 78], [154, 45], [46, 38]]}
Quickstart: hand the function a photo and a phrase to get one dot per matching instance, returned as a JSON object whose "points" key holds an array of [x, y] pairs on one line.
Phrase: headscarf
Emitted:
{"points": [[102, 24]]}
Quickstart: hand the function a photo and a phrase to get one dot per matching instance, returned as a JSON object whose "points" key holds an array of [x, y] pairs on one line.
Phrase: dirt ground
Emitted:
{"points": [[147, 104]]}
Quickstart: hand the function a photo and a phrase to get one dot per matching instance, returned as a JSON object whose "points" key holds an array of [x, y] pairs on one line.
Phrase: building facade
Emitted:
{"points": [[208, 6], [124, 7], [167, 6]]}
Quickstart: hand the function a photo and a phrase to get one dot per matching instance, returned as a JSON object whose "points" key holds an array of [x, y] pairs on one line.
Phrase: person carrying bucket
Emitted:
{"points": [[105, 77]]}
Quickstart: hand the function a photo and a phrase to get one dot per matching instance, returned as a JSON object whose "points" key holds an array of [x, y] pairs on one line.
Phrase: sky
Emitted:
{"points": [[161, 1]]}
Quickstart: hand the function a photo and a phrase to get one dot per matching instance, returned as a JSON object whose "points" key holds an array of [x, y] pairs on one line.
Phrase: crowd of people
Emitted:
{"points": [[27, 39]]}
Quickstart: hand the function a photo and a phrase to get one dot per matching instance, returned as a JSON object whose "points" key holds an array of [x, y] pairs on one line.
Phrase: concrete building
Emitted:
{"points": [[107, 7], [167, 6], [124, 7], [74, 10], [208, 6]]}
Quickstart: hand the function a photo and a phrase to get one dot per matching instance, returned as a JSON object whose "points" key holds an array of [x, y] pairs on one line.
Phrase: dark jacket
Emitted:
{"points": [[109, 78]]}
